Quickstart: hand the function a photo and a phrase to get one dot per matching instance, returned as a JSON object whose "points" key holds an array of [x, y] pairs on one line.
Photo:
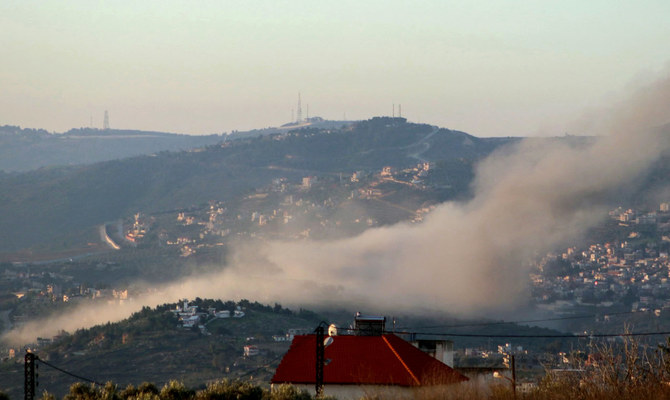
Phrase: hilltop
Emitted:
{"points": [[60, 206], [23, 149]]}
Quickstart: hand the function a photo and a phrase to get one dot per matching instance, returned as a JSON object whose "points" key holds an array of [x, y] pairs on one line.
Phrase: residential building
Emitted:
{"points": [[356, 366]]}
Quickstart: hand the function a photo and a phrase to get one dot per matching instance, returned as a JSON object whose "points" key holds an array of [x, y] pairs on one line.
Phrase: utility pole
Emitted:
{"points": [[29, 382], [320, 350], [513, 364], [509, 361]]}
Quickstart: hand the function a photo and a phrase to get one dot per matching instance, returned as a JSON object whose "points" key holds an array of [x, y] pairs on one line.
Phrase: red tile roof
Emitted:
{"points": [[373, 360]]}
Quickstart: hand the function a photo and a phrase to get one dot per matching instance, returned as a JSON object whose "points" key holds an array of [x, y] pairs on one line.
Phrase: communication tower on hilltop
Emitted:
{"points": [[105, 124], [399, 111], [298, 118]]}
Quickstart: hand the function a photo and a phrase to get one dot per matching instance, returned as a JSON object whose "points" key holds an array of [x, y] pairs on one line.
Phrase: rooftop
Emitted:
{"points": [[374, 360]]}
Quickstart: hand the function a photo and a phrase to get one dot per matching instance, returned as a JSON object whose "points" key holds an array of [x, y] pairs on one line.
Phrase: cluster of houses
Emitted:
{"points": [[633, 273], [606, 275], [190, 316], [217, 221], [137, 230], [36, 285]]}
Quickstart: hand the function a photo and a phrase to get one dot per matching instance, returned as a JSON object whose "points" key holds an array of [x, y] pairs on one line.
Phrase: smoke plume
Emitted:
{"points": [[466, 259]]}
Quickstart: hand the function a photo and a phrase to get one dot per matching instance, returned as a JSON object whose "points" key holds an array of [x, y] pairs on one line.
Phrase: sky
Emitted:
{"points": [[490, 68]]}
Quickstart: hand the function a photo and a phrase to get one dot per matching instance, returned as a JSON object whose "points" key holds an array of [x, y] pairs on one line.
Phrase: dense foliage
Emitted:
{"points": [[173, 390], [625, 371]]}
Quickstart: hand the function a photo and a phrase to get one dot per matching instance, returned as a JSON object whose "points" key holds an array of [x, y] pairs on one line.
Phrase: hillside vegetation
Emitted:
{"points": [[50, 204], [152, 346]]}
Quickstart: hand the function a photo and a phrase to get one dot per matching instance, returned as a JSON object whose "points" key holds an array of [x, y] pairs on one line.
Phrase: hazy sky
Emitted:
{"points": [[491, 68]]}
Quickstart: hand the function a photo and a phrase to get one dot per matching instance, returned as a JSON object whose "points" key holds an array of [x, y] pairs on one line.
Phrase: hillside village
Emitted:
{"points": [[630, 273], [615, 281], [618, 277], [285, 210]]}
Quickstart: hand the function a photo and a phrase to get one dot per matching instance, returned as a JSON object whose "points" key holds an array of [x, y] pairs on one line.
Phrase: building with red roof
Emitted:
{"points": [[355, 366]]}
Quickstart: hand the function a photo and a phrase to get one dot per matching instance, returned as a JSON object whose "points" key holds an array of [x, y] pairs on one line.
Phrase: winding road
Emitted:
{"points": [[105, 237], [423, 144]]}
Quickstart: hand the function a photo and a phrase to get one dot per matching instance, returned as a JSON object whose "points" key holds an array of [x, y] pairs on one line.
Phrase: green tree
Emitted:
{"points": [[174, 390], [227, 390], [81, 391], [289, 392]]}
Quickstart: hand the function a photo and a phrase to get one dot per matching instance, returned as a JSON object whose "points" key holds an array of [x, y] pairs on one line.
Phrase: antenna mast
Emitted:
{"points": [[298, 118], [105, 124]]}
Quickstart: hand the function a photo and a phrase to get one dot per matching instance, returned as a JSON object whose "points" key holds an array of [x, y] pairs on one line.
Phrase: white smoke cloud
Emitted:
{"points": [[463, 258]]}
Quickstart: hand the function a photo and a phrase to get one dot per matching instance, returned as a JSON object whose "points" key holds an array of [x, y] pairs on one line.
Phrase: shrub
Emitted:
{"points": [[225, 390], [174, 390], [289, 392], [81, 391]]}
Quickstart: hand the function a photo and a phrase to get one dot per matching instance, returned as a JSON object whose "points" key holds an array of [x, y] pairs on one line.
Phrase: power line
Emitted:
{"points": [[548, 336], [268, 364], [566, 336], [69, 373], [584, 316]]}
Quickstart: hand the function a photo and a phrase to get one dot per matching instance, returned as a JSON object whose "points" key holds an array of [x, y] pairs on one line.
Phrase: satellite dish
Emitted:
{"points": [[328, 341], [332, 330]]}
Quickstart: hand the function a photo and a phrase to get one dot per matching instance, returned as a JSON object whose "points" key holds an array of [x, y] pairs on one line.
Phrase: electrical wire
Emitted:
{"points": [[584, 316], [565, 336], [261, 367], [548, 336], [68, 373]]}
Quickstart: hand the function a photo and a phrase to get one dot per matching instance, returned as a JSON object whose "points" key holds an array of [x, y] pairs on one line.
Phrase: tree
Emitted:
{"points": [[174, 390]]}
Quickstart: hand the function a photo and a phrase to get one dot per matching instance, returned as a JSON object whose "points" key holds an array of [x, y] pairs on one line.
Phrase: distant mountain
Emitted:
{"points": [[23, 149], [43, 205], [27, 149]]}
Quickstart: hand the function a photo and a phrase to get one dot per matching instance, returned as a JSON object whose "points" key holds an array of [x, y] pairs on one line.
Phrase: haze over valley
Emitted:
{"points": [[187, 188], [384, 203]]}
